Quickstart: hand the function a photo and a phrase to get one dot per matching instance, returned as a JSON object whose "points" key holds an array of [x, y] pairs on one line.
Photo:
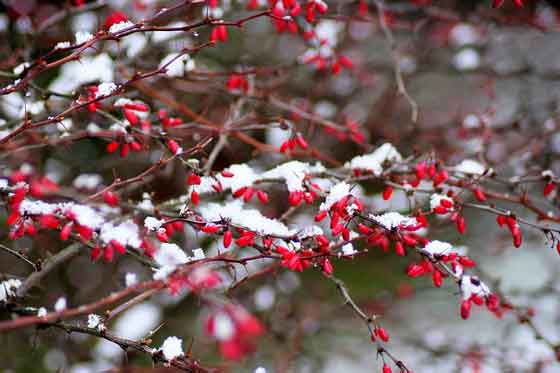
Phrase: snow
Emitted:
{"points": [[86, 216], [309, 231], [392, 220], [437, 248], [373, 162], [471, 121], [249, 218], [72, 76], [223, 327], [169, 257], [178, 66], [470, 167], [293, 173], [468, 288], [8, 289], [94, 321], [87, 181], [198, 254], [60, 304], [83, 214], [336, 193], [146, 204], [467, 59], [276, 136], [28, 207], [62, 45], [328, 31], [83, 36], [126, 233], [463, 34], [105, 89], [153, 224], [264, 298], [130, 279], [120, 26], [243, 176], [348, 249], [172, 348], [324, 109], [21, 67]]}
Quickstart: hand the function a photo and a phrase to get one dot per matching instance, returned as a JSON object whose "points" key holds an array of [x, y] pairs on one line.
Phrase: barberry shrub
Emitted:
{"points": [[210, 185]]}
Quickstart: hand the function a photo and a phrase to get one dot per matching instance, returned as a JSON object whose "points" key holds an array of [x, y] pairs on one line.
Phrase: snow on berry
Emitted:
{"points": [[249, 218], [337, 192], [436, 199], [105, 89], [437, 248], [471, 285], [393, 220], [293, 173]]}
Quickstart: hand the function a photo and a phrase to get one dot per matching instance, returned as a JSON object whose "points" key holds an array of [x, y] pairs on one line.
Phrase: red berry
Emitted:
{"points": [[382, 334], [262, 196], [228, 236], [465, 309], [548, 188], [388, 192], [479, 195], [112, 147]]}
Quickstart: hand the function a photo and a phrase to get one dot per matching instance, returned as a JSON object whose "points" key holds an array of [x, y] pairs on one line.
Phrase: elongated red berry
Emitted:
{"points": [[228, 236], [262, 196], [465, 309], [437, 279], [548, 188], [194, 179], [195, 197], [479, 195], [388, 192], [112, 147]]}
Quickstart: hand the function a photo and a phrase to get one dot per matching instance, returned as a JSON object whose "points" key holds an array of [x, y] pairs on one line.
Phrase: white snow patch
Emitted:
{"points": [[249, 218], [373, 162], [172, 348], [392, 220]]}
